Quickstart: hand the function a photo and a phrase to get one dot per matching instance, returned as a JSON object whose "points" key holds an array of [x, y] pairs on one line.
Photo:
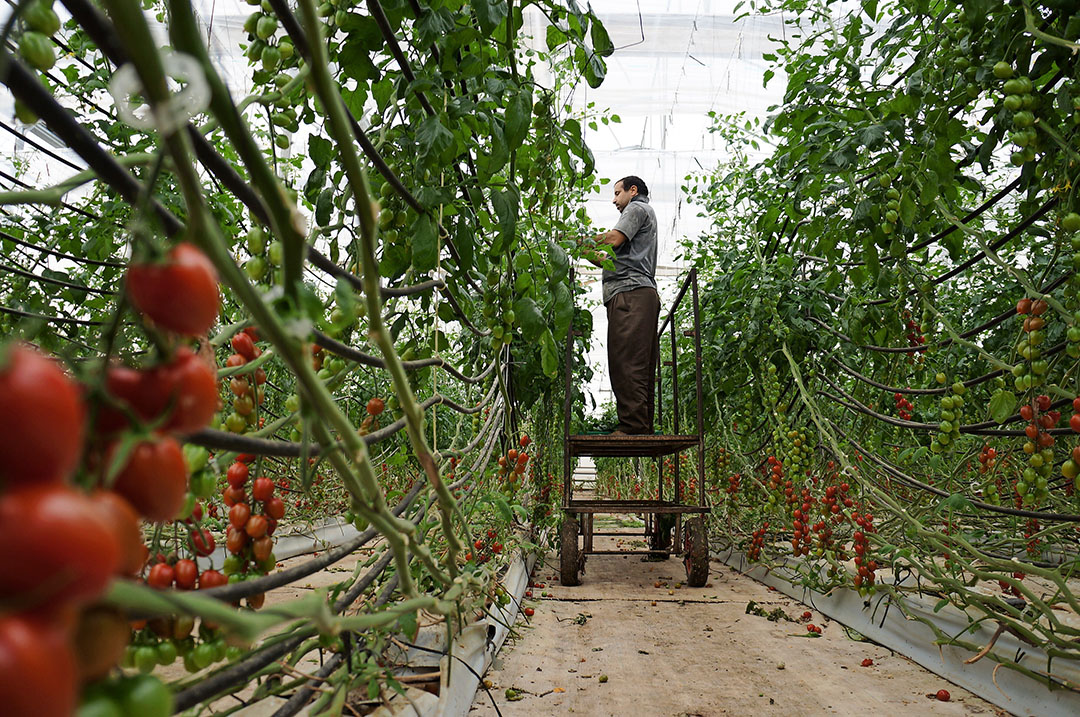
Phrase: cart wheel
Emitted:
{"points": [[569, 558], [696, 552]]}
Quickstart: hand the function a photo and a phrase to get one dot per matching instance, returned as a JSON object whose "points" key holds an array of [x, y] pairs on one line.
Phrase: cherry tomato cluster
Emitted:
{"points": [[914, 336], [1032, 486], [1031, 534], [512, 465], [252, 520], [734, 483], [1007, 588], [757, 542], [484, 549], [63, 546], [813, 629], [866, 567], [903, 406], [375, 406], [800, 539], [247, 389]]}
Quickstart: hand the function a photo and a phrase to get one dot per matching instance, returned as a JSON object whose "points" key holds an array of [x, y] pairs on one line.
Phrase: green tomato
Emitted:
{"points": [[24, 114], [270, 57], [252, 22], [187, 507], [99, 705], [256, 241], [167, 652], [204, 655], [269, 564], [196, 457], [41, 17], [1071, 222], [145, 696], [274, 253], [233, 653], [235, 423], [255, 268], [146, 658], [1003, 70], [292, 403], [266, 27], [37, 50]]}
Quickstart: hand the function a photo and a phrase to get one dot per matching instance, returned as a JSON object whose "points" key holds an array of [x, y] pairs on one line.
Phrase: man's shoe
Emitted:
{"points": [[618, 432]]}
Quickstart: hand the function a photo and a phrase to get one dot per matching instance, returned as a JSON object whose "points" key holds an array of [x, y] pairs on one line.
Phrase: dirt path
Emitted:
{"points": [[619, 645]]}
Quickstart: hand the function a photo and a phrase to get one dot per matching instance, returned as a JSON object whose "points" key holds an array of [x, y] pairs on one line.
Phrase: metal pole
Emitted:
{"points": [[700, 393], [568, 488], [675, 400]]}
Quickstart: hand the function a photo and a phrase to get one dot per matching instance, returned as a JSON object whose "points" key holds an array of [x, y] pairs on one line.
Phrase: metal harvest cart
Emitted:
{"points": [[576, 533]]}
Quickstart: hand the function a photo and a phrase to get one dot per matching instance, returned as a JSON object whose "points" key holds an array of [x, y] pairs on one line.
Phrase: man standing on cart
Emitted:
{"points": [[633, 307]]}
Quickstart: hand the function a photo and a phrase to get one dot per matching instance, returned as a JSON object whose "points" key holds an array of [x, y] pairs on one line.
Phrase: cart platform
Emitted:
{"points": [[650, 446], [632, 506]]}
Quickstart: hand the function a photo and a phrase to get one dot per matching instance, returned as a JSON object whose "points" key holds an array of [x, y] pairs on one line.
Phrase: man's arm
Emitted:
{"points": [[613, 238]]}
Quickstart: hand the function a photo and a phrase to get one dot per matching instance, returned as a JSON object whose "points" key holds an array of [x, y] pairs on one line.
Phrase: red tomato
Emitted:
{"points": [[202, 542], [262, 547], [256, 601], [212, 579], [260, 376], [192, 392], [154, 479], [943, 695], [275, 508], [179, 294], [239, 386], [1074, 423], [252, 332], [246, 457], [375, 406], [237, 475], [122, 519], [256, 526], [262, 489], [235, 540], [187, 574], [100, 637], [271, 526], [524, 440], [235, 360], [58, 548], [161, 576], [243, 345], [42, 419], [232, 496], [239, 514], [37, 669]]}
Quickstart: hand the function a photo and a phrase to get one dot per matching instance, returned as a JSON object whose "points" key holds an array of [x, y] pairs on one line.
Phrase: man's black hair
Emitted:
{"points": [[633, 181]]}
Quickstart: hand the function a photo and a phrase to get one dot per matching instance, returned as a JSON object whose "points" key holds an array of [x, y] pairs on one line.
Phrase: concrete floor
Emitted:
{"points": [[630, 640]]}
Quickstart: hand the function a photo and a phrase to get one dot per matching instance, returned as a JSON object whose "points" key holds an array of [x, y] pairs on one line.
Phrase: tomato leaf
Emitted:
{"points": [[1002, 405], [529, 318], [425, 245], [518, 116], [489, 13], [320, 150], [549, 355]]}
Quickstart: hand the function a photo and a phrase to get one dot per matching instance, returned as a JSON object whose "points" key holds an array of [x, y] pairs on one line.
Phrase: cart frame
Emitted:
{"points": [[578, 519]]}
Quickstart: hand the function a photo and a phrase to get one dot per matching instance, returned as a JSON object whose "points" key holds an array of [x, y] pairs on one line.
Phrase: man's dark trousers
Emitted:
{"points": [[632, 355]]}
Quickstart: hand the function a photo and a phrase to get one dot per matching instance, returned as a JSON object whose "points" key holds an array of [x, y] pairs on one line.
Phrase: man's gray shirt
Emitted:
{"points": [[635, 259]]}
